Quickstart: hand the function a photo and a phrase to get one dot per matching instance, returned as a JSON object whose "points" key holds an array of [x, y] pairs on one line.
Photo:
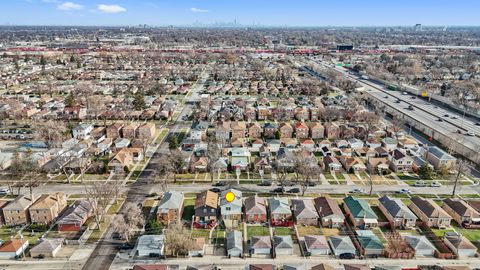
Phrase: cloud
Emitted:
{"points": [[69, 6], [198, 10], [111, 8], [51, 1]]}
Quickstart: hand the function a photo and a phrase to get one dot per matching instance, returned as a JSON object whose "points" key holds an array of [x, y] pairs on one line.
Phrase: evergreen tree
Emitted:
{"points": [[425, 172], [138, 101]]}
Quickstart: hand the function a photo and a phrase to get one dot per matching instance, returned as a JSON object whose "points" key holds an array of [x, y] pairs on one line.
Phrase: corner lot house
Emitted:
{"points": [[397, 212], [463, 213], [341, 244], [430, 212], [13, 248], [170, 207], [150, 245], [75, 216], [317, 245], [360, 213], [48, 248], [329, 212]]}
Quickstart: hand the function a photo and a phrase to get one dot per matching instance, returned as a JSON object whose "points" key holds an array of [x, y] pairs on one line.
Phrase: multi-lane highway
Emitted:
{"points": [[437, 122]]}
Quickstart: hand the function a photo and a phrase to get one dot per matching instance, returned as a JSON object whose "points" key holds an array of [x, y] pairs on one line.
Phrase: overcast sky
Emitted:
{"points": [[248, 12]]}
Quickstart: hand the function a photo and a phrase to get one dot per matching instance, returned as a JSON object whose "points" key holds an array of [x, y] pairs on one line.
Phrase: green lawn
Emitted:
{"points": [[188, 209], [200, 233], [340, 176], [257, 231], [283, 231], [115, 207]]}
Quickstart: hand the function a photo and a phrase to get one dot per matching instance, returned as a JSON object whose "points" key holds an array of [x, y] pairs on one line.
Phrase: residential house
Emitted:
{"points": [[114, 131], [332, 164], [360, 213], [316, 130], [260, 245], [341, 244], [13, 248], [255, 209], [240, 158], [254, 130], [47, 208], [463, 213], [407, 143], [286, 130], [355, 143], [75, 216], [170, 207], [352, 164], [234, 244], [283, 245], [378, 165], [316, 245], [301, 130], [439, 158], [460, 245], [420, 244], [400, 161], [397, 213], [206, 205], [47, 248], [82, 131], [130, 130], [329, 212], [231, 212], [150, 245], [16, 212], [430, 212], [121, 143], [475, 204], [308, 144], [146, 131], [356, 267], [389, 143], [279, 210], [332, 130], [222, 132], [261, 267], [198, 248], [304, 212], [239, 129], [371, 244], [302, 114], [270, 130], [322, 266], [125, 158]]}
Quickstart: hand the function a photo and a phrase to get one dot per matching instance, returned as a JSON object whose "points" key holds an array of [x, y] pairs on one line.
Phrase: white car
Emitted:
{"points": [[470, 133], [404, 93], [435, 184], [4, 191]]}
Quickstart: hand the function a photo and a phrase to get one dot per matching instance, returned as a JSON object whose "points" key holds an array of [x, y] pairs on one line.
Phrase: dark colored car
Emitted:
{"points": [[216, 190], [220, 184], [311, 184], [294, 190], [277, 190], [347, 256], [265, 184], [125, 246], [445, 115]]}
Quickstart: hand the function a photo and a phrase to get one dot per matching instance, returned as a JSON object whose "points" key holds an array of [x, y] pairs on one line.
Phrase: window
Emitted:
{"points": [[228, 208]]}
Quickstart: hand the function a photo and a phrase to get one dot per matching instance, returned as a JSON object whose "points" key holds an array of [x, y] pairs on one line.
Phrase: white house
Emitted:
{"points": [[82, 131], [148, 245]]}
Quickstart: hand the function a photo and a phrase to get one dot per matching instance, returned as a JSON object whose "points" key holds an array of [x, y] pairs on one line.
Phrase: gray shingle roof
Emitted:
{"points": [[396, 208]]}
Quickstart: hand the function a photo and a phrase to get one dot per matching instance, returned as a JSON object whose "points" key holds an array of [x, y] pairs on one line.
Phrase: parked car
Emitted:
{"points": [[216, 190], [470, 133], [435, 184], [311, 184], [410, 107], [4, 191], [420, 183], [277, 190], [265, 183], [397, 101], [294, 190], [220, 184], [439, 120], [403, 191], [454, 117], [445, 115], [356, 191], [347, 256]]}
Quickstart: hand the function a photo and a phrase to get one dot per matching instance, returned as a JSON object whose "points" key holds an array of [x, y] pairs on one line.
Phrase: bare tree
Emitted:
{"points": [[213, 154], [51, 132], [281, 172], [25, 169], [126, 224], [178, 239], [370, 120], [306, 169], [461, 167], [173, 163], [397, 125], [99, 195]]}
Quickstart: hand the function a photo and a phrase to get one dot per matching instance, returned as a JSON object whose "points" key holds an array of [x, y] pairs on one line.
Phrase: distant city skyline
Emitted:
{"points": [[244, 12]]}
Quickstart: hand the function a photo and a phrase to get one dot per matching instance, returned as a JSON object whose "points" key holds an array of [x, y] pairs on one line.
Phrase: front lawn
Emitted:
{"points": [[205, 233], [283, 231], [188, 209], [257, 231], [309, 230]]}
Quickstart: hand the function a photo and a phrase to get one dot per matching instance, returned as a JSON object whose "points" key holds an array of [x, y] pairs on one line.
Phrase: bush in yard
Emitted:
{"points": [[153, 226]]}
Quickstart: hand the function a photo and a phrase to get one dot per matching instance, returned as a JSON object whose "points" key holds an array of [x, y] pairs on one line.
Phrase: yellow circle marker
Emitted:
{"points": [[229, 196]]}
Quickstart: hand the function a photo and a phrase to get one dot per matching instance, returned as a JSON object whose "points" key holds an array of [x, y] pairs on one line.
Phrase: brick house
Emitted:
{"points": [[16, 212], [332, 130], [146, 131], [170, 207], [239, 129], [286, 130], [254, 130], [316, 130], [130, 130], [255, 209], [47, 208], [114, 131], [301, 131], [430, 212]]}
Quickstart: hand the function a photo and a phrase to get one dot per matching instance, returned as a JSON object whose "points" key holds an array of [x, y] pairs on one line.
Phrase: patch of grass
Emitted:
{"points": [[340, 176], [309, 230], [188, 209], [257, 231], [115, 207], [283, 231], [328, 175], [97, 234], [332, 182], [200, 233]]}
